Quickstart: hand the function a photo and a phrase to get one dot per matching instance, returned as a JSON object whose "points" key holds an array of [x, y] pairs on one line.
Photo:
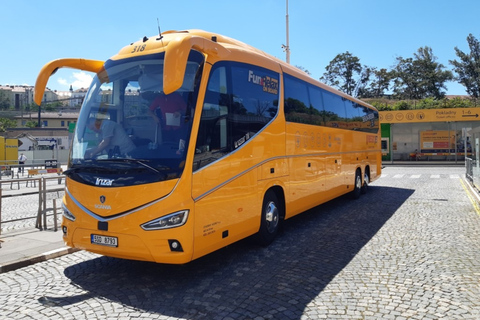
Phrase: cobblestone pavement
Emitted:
{"points": [[409, 249], [25, 206]]}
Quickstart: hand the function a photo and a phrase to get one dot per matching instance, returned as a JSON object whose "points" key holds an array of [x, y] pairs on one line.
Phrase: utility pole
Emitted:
{"points": [[286, 47]]}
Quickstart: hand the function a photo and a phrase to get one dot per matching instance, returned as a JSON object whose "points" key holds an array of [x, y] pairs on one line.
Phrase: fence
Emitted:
{"points": [[45, 193], [469, 162], [15, 170]]}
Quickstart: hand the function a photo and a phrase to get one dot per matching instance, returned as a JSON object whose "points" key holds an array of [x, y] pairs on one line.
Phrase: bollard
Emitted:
{"points": [[38, 224], [55, 227], [44, 199]]}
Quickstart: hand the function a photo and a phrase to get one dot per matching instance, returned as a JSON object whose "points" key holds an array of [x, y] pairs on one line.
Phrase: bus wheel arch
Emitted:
{"points": [[273, 213]]}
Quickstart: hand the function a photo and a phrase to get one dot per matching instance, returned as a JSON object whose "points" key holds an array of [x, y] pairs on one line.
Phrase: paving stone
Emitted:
{"points": [[409, 249]]}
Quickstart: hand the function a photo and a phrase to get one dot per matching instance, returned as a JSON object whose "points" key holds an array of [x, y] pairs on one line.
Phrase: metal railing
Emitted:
{"points": [[44, 192], [469, 162]]}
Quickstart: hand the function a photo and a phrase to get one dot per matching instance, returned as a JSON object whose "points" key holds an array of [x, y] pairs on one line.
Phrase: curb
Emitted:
{"points": [[473, 190], [35, 259]]}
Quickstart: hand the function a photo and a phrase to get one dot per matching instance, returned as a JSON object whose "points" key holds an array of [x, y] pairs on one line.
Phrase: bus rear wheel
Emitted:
{"points": [[270, 222], [357, 187], [366, 181]]}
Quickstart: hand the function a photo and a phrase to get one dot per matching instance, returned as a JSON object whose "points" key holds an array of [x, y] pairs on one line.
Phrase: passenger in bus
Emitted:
{"points": [[113, 138], [168, 111]]}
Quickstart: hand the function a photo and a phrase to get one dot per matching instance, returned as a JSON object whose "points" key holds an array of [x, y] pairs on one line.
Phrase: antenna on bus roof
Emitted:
{"points": [[160, 37]]}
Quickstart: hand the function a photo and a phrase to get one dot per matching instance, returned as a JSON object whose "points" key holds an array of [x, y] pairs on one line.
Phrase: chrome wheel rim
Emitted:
{"points": [[271, 217], [365, 180], [358, 183]]}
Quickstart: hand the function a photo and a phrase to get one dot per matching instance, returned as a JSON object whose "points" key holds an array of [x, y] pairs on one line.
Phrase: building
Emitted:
{"points": [[72, 98], [428, 134], [77, 96], [17, 96], [59, 119], [20, 97], [40, 144]]}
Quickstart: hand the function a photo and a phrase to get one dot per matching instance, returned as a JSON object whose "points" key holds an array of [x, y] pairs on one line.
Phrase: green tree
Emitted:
{"points": [[4, 101], [402, 105], [346, 73], [405, 80], [420, 77], [52, 106], [468, 68], [377, 86], [7, 123], [304, 70], [31, 124], [433, 75]]}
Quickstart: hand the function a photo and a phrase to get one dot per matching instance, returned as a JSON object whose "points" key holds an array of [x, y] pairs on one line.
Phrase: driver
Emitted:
{"points": [[112, 138]]}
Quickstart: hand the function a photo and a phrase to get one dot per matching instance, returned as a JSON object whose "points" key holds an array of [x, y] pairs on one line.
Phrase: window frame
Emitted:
{"points": [[339, 107], [238, 121]]}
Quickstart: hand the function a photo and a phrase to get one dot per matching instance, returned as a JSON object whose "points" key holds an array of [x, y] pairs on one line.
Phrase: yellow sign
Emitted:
{"points": [[437, 141], [430, 115], [11, 151]]}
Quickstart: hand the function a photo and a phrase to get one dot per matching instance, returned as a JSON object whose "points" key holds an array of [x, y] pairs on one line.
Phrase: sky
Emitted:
{"points": [[33, 32]]}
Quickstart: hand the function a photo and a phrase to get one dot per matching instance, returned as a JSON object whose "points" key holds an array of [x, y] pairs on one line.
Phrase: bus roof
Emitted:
{"points": [[161, 43], [173, 43]]}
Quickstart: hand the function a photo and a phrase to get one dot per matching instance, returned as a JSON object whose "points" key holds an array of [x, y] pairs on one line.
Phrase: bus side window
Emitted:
{"points": [[352, 116], [240, 101], [316, 103], [297, 101], [334, 109], [212, 132], [254, 102]]}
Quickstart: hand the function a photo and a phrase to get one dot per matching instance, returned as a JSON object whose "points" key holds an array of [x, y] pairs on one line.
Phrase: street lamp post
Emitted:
{"points": [[286, 47]]}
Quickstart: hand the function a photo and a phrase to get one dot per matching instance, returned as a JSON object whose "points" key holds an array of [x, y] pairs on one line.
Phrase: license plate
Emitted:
{"points": [[104, 240]]}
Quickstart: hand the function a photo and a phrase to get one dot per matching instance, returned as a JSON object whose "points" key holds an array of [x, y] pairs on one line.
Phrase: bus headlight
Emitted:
{"points": [[67, 214], [173, 220]]}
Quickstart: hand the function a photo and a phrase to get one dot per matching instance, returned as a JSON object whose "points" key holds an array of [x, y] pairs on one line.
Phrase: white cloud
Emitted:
{"points": [[62, 81], [83, 80], [78, 80]]}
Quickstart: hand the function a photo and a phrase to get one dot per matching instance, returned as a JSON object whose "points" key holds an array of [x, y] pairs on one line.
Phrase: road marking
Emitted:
{"points": [[418, 176], [472, 200]]}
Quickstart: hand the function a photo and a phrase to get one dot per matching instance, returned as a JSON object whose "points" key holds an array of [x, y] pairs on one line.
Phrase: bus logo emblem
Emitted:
{"points": [[102, 199], [103, 182]]}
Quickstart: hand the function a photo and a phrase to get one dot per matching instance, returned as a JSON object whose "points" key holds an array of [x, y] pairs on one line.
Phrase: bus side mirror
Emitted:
{"points": [[51, 67], [176, 57]]}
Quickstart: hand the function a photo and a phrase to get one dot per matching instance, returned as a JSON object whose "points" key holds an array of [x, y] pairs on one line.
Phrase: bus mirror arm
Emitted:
{"points": [[176, 57], [50, 68]]}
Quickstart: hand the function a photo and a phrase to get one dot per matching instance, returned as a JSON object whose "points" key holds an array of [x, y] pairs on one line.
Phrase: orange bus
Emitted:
{"points": [[189, 141]]}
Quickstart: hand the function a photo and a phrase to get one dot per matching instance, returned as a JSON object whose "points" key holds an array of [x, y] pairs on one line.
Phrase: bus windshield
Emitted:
{"points": [[128, 129]]}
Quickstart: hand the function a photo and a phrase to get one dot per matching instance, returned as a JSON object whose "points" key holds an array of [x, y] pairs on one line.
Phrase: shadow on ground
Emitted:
{"points": [[244, 280]]}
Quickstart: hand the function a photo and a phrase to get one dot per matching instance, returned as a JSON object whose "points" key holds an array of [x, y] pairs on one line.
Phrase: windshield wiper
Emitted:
{"points": [[89, 166], [141, 162]]}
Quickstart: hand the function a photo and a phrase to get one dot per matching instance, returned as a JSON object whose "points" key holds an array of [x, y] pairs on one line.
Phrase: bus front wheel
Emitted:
{"points": [[270, 219]]}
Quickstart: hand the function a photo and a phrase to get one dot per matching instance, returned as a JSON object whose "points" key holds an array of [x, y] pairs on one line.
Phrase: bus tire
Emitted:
{"points": [[357, 187], [366, 181], [270, 222]]}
